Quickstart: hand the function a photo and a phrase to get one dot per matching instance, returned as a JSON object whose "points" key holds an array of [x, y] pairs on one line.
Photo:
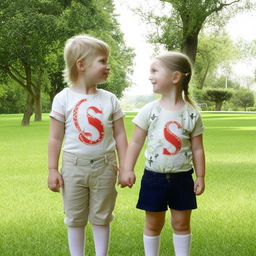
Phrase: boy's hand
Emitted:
{"points": [[55, 181], [199, 186], [126, 178]]}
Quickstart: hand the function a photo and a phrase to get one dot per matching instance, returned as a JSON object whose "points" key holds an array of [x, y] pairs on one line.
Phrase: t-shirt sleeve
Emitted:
{"points": [[57, 111], [117, 111], [142, 118], [199, 128]]}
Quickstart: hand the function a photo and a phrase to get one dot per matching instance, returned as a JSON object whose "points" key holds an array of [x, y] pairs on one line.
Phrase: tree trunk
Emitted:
{"points": [[38, 107], [189, 46], [205, 75], [218, 105], [37, 94], [28, 110]]}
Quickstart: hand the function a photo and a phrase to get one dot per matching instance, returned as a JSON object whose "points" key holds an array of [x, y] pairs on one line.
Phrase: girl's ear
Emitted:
{"points": [[80, 65], [176, 77]]}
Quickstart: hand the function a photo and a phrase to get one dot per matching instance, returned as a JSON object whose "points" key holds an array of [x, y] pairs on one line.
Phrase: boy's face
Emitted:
{"points": [[98, 70]]}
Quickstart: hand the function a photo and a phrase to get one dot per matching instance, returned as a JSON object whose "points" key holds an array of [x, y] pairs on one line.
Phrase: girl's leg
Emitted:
{"points": [[101, 239], [76, 236], [153, 228], [182, 233]]}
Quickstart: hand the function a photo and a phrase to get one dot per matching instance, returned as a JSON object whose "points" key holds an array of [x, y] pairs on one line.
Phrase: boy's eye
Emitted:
{"points": [[103, 61]]}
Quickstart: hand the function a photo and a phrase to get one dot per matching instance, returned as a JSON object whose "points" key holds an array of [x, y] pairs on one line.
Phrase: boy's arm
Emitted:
{"points": [[199, 163], [121, 141], [54, 147], [133, 151]]}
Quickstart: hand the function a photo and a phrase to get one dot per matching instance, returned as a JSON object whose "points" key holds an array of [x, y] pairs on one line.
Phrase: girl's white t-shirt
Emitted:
{"points": [[168, 139], [88, 120]]}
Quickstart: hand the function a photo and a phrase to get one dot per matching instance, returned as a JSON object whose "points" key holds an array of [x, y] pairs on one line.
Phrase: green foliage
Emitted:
{"points": [[180, 28], [29, 30], [243, 98], [12, 98], [218, 96], [221, 82], [34, 35], [215, 50]]}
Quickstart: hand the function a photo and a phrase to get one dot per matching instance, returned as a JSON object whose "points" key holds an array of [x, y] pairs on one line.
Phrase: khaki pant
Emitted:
{"points": [[89, 188]]}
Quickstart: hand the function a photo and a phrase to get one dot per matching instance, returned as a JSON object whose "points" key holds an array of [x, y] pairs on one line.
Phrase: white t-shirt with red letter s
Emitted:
{"points": [[169, 136], [88, 120]]}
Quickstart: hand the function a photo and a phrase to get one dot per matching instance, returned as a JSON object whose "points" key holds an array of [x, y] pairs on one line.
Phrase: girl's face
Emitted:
{"points": [[160, 77]]}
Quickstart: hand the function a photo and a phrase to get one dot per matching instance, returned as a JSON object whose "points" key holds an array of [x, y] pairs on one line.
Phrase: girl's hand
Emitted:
{"points": [[55, 181], [199, 186], [126, 178]]}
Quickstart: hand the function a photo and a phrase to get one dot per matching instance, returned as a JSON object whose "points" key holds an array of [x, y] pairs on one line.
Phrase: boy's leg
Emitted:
{"points": [[101, 239], [102, 202], [153, 227], [182, 233], [76, 236]]}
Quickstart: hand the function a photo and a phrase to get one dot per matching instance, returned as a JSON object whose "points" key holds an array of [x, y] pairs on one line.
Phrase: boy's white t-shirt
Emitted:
{"points": [[168, 139], [88, 120]]}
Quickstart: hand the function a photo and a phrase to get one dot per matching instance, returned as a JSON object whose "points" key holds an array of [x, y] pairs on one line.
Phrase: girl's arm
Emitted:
{"points": [[199, 163], [121, 141], [54, 146], [138, 138]]}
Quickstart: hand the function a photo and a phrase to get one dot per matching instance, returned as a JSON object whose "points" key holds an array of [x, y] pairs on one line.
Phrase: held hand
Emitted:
{"points": [[127, 178], [199, 186], [55, 181]]}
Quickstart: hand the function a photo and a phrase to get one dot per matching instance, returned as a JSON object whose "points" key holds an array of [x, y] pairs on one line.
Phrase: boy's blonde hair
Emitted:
{"points": [[176, 61], [81, 47]]}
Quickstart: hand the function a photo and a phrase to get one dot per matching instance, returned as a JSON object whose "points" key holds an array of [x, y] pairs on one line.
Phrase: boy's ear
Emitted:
{"points": [[176, 77], [80, 65]]}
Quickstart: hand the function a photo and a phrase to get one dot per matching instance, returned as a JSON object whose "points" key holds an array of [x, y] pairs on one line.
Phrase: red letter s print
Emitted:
{"points": [[95, 122], [172, 138]]}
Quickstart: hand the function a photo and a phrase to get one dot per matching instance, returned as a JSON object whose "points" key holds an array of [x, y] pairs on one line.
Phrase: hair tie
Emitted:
{"points": [[186, 74]]}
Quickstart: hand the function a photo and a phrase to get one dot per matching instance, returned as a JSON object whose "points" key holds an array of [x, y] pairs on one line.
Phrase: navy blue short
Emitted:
{"points": [[160, 190]]}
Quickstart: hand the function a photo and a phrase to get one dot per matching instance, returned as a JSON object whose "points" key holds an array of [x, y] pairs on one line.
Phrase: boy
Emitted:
{"points": [[92, 122]]}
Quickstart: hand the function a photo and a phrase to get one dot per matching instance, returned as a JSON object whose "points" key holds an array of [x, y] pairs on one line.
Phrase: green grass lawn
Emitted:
{"points": [[31, 217]]}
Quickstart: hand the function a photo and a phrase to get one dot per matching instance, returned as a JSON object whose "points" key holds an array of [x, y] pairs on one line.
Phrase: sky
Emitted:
{"points": [[135, 31]]}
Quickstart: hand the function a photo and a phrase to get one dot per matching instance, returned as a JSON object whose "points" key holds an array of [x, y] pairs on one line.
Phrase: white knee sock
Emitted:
{"points": [[182, 244], [151, 245], [101, 239], [76, 238]]}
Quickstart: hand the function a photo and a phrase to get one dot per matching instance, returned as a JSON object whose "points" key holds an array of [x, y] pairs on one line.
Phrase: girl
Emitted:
{"points": [[92, 122], [173, 128]]}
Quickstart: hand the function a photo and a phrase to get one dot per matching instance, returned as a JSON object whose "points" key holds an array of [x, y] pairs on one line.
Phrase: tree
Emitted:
{"points": [[180, 29], [243, 98], [218, 96], [34, 35], [28, 30], [214, 49]]}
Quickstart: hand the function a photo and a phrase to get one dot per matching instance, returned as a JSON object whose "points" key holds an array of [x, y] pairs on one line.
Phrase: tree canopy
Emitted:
{"points": [[33, 33], [180, 28]]}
